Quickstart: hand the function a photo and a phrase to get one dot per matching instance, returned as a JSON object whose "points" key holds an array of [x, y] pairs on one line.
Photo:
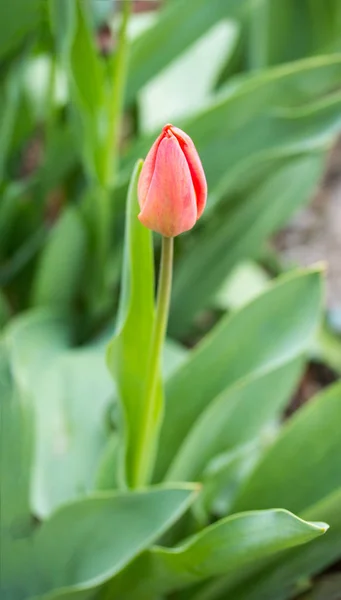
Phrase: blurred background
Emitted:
{"points": [[85, 87], [256, 83]]}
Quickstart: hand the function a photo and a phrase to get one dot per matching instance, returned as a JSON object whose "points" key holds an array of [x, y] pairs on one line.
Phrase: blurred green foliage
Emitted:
{"points": [[84, 88]]}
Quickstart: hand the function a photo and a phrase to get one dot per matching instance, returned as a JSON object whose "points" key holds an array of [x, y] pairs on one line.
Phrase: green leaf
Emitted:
{"points": [[174, 35], [270, 331], [243, 230], [280, 578], [99, 536], [128, 353], [233, 418], [314, 28], [302, 466], [62, 263], [10, 98], [16, 450], [17, 20], [229, 545], [72, 28], [224, 476], [35, 339], [71, 427], [288, 108], [5, 310], [85, 66]]}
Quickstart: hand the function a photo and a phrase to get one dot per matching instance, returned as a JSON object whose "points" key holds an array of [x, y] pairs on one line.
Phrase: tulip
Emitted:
{"points": [[172, 187]]}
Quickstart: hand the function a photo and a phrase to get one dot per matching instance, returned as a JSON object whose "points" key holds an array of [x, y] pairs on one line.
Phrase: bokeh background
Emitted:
{"points": [[257, 85]]}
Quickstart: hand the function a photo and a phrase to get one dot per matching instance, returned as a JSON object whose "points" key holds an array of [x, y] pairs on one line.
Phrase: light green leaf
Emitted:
{"points": [[62, 263], [128, 353], [246, 281], [35, 339], [233, 418], [99, 536], [303, 465], [229, 545], [72, 432], [173, 356], [270, 331], [239, 235], [174, 35]]}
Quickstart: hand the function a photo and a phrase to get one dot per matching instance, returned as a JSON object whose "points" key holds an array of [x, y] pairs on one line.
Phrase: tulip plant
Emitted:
{"points": [[138, 463]]}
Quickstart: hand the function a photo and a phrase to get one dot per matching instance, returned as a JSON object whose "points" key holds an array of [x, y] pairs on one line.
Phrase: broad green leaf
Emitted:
{"points": [[35, 339], [62, 263], [99, 536], [16, 451], [239, 235], [280, 578], [229, 545], [270, 331], [303, 465], [235, 417], [18, 19], [174, 35], [72, 399], [128, 353]]}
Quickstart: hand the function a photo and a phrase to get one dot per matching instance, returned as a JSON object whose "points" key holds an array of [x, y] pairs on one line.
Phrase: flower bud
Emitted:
{"points": [[172, 186]]}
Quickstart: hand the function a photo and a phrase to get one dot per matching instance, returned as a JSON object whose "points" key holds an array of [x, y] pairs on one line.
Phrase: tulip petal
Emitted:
{"points": [[147, 172], [170, 206], [195, 167]]}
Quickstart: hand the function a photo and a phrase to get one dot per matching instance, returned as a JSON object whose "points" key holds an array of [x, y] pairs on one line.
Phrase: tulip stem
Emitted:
{"points": [[145, 458]]}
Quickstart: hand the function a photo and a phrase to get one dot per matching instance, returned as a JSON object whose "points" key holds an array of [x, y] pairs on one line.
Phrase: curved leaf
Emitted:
{"points": [[273, 329], [89, 541], [280, 578], [303, 465], [234, 418], [62, 263], [128, 352], [229, 545]]}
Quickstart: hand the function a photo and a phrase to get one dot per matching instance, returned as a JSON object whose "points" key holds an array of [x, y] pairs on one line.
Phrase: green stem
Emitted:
{"points": [[145, 455]]}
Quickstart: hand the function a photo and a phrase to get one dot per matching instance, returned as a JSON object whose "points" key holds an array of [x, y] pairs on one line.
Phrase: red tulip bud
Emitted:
{"points": [[172, 187]]}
